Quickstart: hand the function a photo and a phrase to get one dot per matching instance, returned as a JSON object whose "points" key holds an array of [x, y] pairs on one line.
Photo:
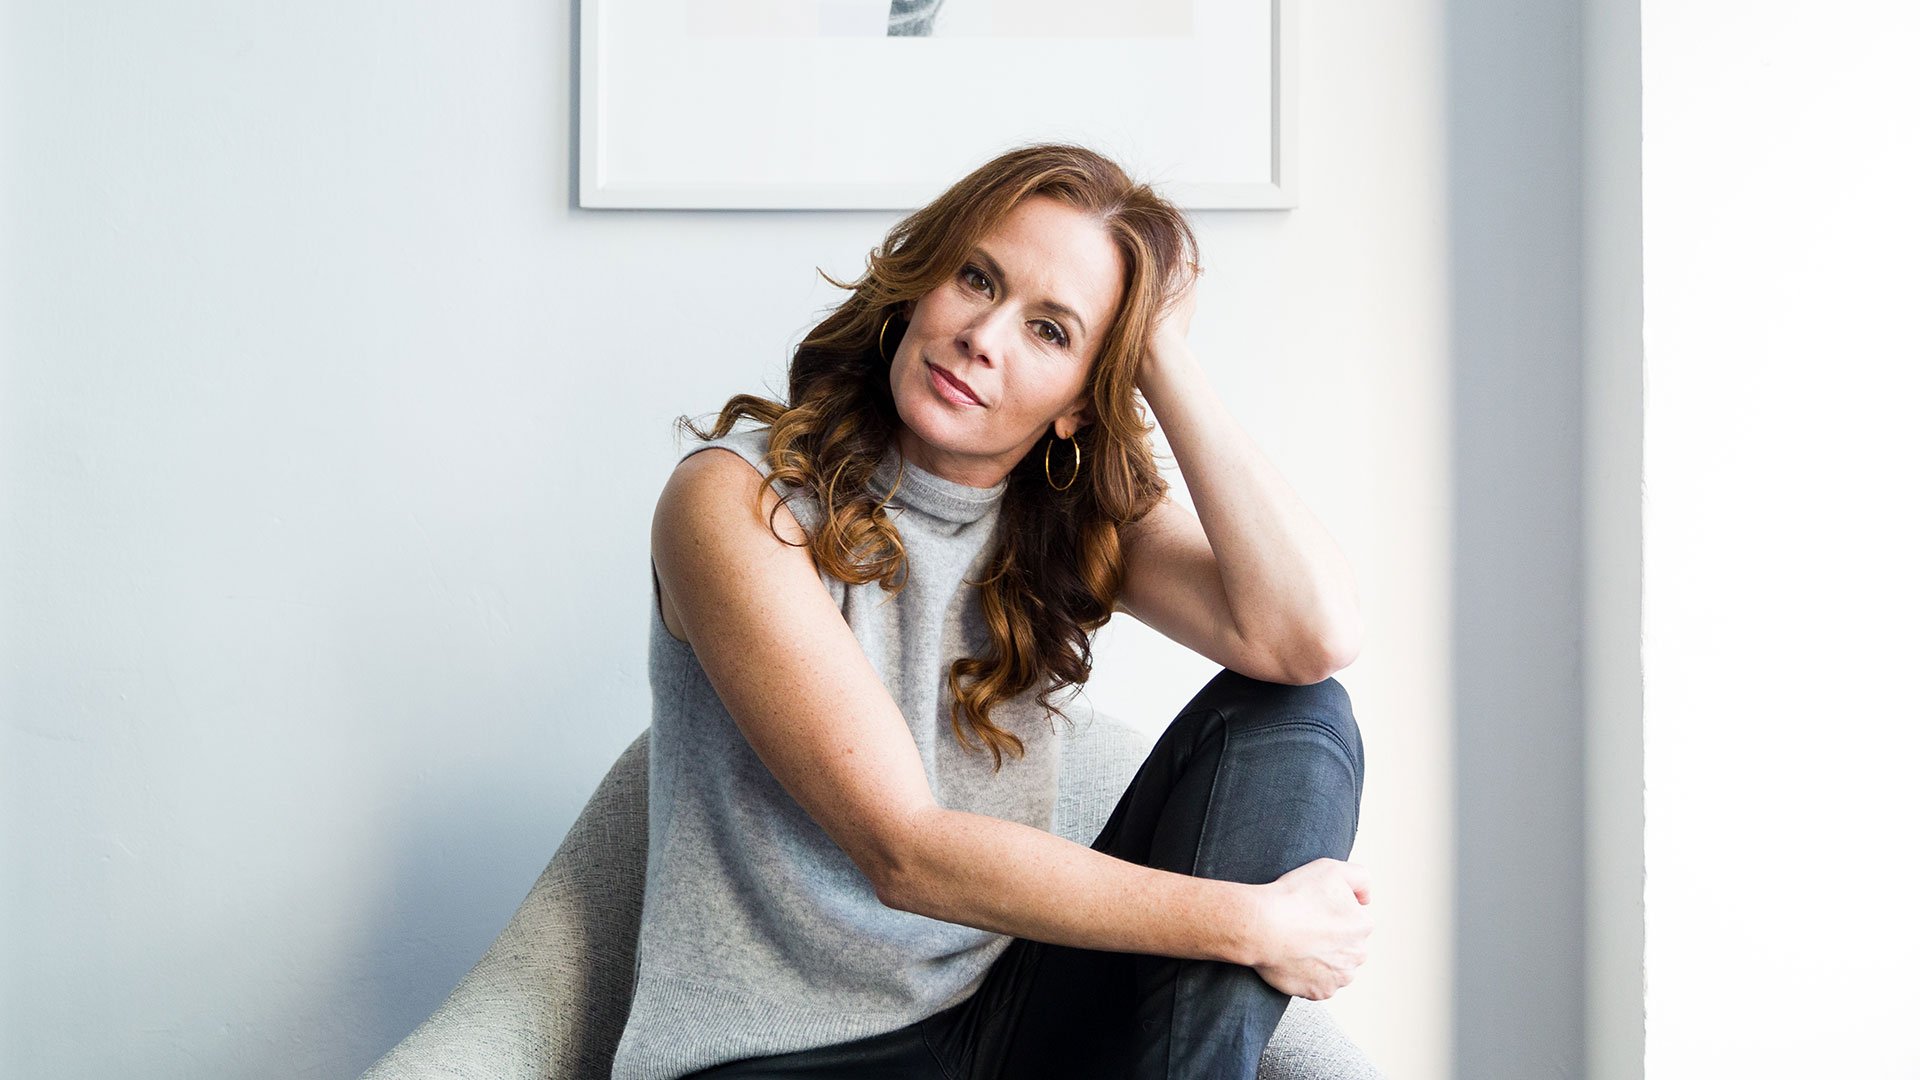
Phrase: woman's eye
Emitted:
{"points": [[978, 280]]}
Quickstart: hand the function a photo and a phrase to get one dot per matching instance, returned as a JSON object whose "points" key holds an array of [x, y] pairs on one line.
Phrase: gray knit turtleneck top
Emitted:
{"points": [[759, 935]]}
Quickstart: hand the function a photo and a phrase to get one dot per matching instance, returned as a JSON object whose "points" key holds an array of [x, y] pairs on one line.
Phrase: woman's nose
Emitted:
{"points": [[989, 336]]}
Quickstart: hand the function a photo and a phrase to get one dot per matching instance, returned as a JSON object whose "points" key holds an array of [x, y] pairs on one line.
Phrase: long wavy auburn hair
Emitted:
{"points": [[1055, 569]]}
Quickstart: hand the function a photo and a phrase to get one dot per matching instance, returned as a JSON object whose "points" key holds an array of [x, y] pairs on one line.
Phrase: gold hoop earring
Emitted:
{"points": [[883, 333], [1046, 461]]}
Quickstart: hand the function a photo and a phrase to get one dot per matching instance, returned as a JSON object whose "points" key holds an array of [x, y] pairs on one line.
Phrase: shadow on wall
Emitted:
{"points": [[1514, 176]]}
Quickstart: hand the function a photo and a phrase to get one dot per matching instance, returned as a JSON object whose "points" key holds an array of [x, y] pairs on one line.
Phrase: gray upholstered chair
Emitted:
{"points": [[549, 998]]}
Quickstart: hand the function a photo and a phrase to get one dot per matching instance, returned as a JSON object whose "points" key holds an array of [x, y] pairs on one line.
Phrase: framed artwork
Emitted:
{"points": [[880, 104]]}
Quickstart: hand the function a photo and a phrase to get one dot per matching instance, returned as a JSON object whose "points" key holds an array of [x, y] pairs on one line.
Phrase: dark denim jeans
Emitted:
{"points": [[1251, 780]]}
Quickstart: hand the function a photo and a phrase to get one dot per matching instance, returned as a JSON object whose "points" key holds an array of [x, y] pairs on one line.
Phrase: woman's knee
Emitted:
{"points": [[1286, 753], [1245, 703]]}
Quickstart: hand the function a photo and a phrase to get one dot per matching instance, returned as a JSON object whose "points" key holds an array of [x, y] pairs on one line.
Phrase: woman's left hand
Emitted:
{"points": [[1176, 317]]}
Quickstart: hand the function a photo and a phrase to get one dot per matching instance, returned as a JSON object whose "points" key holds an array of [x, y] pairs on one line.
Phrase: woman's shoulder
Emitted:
{"points": [[748, 441], [719, 475]]}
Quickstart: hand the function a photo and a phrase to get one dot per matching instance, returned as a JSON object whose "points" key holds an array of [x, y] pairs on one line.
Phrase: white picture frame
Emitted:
{"points": [[847, 123]]}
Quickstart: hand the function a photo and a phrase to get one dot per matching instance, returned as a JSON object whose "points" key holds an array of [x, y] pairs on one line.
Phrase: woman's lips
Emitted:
{"points": [[952, 388]]}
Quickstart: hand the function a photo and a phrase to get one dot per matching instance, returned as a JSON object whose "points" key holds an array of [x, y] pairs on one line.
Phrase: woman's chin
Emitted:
{"points": [[937, 428], [933, 422]]}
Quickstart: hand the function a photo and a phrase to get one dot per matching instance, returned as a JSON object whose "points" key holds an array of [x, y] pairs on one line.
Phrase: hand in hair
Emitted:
{"points": [[1176, 316]]}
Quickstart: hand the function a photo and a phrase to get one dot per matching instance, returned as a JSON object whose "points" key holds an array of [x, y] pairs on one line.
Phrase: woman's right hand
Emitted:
{"points": [[1311, 926]]}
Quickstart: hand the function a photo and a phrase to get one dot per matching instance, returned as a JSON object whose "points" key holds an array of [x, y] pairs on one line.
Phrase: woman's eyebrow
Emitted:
{"points": [[1051, 305]]}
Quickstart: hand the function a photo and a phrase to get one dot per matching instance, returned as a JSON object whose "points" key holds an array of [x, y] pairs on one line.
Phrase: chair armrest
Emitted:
{"points": [[549, 998]]}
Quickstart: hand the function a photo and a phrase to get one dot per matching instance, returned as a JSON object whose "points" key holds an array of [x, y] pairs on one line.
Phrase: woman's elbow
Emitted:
{"points": [[891, 883], [1306, 665], [894, 866], [1339, 651]]}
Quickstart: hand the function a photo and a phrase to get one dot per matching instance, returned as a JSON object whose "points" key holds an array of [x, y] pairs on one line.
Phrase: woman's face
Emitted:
{"points": [[1019, 324]]}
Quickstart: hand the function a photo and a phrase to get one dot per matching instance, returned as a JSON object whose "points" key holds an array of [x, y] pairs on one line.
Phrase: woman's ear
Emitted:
{"points": [[1067, 423]]}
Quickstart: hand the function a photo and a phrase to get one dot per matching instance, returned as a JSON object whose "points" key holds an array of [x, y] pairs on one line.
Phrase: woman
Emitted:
{"points": [[862, 613]]}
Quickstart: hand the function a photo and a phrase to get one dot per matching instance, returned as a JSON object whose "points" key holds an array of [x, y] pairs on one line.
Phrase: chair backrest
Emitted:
{"points": [[1098, 762], [550, 997]]}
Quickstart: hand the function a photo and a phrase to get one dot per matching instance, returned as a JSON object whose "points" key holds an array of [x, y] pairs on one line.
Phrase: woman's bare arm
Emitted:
{"points": [[1254, 553], [784, 662]]}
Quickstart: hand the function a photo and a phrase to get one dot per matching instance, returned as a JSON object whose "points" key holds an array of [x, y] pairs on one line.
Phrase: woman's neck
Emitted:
{"points": [[970, 470]]}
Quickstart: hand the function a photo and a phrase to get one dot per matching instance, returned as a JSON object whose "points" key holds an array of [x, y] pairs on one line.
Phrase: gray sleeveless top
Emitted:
{"points": [[759, 935]]}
